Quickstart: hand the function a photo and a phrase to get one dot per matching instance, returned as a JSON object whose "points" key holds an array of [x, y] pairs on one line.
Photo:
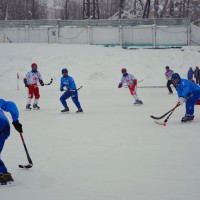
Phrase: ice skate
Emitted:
{"points": [[138, 102], [28, 107], [36, 107], [6, 179], [187, 118], [79, 110], [65, 110]]}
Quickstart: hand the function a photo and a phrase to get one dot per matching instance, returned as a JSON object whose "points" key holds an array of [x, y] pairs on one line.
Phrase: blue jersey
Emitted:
{"points": [[67, 82], [8, 106], [190, 74], [186, 88]]}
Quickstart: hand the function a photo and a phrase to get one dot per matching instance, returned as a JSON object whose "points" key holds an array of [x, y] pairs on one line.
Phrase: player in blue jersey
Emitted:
{"points": [[68, 85], [8, 106], [188, 92]]}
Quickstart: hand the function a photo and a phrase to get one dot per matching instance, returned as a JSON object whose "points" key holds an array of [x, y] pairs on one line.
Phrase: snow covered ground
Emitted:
{"points": [[114, 150]]}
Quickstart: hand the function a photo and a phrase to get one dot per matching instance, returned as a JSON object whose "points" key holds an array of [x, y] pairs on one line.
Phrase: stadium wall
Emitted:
{"points": [[148, 32]]}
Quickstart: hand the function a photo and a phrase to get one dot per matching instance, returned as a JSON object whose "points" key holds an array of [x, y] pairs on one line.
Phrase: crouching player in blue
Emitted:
{"points": [[188, 92], [71, 91], [8, 106]]}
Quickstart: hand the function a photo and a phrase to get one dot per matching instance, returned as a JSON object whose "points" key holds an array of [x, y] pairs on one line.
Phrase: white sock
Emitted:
{"points": [[135, 97], [28, 101], [35, 101]]}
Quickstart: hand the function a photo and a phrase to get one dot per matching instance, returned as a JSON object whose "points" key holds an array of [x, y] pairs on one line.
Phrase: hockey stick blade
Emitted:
{"points": [[160, 123], [177, 105], [27, 154], [26, 166], [161, 116], [49, 82]]}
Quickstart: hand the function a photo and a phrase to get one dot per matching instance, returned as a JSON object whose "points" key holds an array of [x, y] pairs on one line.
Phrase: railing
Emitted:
{"points": [[84, 23]]}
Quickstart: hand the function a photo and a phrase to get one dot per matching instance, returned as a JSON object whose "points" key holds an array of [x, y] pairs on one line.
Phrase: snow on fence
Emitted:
{"points": [[143, 32]]}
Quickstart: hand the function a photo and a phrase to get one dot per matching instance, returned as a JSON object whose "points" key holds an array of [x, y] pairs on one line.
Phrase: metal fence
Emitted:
{"points": [[152, 32], [85, 23]]}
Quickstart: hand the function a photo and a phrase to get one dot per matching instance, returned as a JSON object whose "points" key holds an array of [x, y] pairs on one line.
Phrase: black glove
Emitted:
{"points": [[25, 82], [18, 126], [41, 83], [61, 89]]}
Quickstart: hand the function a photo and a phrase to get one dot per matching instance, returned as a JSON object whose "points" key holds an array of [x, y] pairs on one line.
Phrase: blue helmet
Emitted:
{"points": [[64, 71], [176, 76]]}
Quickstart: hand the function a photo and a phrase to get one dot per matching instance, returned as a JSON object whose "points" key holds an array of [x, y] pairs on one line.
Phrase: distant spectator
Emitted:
{"points": [[197, 75], [168, 75], [190, 74]]}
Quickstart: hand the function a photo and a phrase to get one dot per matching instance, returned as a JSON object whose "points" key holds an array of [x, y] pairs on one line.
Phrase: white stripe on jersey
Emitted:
{"points": [[168, 74]]}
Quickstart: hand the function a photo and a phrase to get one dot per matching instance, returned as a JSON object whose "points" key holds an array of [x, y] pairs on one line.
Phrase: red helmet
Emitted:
{"points": [[33, 65], [123, 70]]}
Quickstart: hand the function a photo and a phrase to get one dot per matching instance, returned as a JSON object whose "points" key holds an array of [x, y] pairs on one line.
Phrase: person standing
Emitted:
{"points": [[31, 80], [189, 93], [190, 74], [68, 83], [197, 75], [131, 82], [8, 106], [168, 75]]}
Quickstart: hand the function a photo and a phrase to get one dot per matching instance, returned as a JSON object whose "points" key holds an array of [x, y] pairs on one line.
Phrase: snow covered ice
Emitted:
{"points": [[114, 150]]}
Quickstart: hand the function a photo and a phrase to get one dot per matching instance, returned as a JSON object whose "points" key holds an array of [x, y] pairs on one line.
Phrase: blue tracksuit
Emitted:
{"points": [[190, 74], [190, 90], [69, 84], [7, 106]]}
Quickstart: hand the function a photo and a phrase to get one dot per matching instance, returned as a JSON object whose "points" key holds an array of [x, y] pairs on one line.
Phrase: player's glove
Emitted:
{"points": [[181, 100], [17, 126], [25, 82], [61, 89], [41, 83], [120, 85]]}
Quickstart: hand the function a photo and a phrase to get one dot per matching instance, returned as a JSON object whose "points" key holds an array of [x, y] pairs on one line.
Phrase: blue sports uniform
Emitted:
{"points": [[190, 74], [189, 90], [7, 106], [71, 91]]}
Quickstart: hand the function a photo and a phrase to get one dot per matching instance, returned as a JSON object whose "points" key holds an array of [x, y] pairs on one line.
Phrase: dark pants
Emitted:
{"points": [[198, 80], [4, 133], [169, 82], [73, 95]]}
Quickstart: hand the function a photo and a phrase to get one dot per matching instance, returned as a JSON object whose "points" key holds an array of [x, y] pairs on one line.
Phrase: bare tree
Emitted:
{"points": [[171, 8], [66, 9], [156, 7], [70, 9], [121, 7], [146, 9], [164, 10]]}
